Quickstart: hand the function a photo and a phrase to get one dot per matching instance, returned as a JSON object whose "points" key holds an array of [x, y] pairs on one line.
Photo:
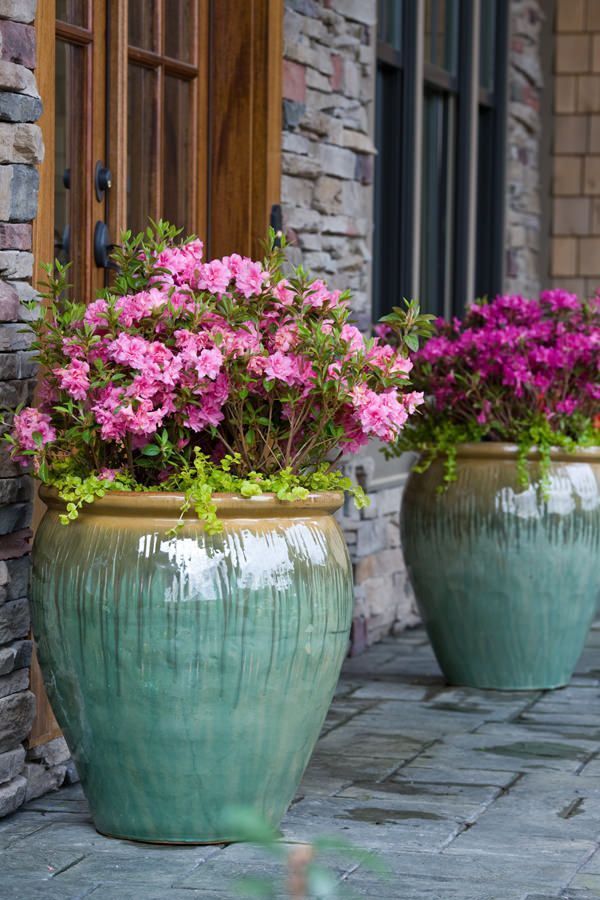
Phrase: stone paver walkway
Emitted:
{"points": [[466, 795]]}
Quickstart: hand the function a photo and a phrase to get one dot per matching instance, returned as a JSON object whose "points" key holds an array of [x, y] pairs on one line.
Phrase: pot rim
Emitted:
{"points": [[509, 451], [167, 504]]}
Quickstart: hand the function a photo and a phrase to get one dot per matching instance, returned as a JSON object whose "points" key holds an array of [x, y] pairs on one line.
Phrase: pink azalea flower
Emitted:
{"points": [[318, 294], [74, 379], [134, 307], [169, 354], [95, 314], [249, 278], [108, 474], [353, 337], [257, 365], [286, 337], [209, 363], [209, 411], [283, 292], [130, 350], [71, 347], [284, 368], [381, 415], [33, 429], [214, 277], [384, 332]]}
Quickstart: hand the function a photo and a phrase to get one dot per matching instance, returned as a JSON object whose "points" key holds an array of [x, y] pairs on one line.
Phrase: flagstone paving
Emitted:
{"points": [[462, 794]]}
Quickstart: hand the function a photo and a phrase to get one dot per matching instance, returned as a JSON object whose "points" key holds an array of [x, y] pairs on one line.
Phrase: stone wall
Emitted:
{"points": [[525, 234], [575, 258], [383, 598], [24, 774], [327, 159], [327, 202]]}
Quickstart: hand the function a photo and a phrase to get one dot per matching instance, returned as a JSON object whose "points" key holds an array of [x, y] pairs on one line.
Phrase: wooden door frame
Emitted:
{"points": [[245, 152]]}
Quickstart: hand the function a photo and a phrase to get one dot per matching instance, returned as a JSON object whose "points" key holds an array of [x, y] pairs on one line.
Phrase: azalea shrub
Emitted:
{"points": [[201, 376], [525, 371]]}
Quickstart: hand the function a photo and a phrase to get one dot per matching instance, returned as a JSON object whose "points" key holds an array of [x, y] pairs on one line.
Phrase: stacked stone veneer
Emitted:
{"points": [[575, 258], [383, 597], [328, 151], [525, 237], [327, 199], [24, 774]]}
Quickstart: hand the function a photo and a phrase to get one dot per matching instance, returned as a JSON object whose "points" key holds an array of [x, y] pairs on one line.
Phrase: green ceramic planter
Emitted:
{"points": [[191, 674], [507, 582]]}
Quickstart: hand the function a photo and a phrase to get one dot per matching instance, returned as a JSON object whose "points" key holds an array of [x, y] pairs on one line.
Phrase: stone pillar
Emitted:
{"points": [[23, 774], [524, 214], [328, 150]]}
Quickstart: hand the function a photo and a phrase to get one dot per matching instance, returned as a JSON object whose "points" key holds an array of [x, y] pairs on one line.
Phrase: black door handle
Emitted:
{"points": [[103, 247], [102, 180]]}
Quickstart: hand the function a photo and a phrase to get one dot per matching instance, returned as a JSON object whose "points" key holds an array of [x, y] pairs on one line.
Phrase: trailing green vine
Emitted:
{"points": [[200, 481]]}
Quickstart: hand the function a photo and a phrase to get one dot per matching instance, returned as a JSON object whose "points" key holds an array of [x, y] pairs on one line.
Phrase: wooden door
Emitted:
{"points": [[71, 73], [157, 132], [125, 125], [154, 108]]}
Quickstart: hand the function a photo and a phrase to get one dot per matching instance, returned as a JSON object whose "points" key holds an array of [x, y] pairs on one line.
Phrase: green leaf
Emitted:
{"points": [[151, 450]]}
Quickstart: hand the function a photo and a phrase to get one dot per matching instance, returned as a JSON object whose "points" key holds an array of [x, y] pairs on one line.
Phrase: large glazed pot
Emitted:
{"points": [[190, 674], [506, 579]]}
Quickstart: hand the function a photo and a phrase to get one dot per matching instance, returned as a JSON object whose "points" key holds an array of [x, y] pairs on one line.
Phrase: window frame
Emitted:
{"points": [[416, 76]]}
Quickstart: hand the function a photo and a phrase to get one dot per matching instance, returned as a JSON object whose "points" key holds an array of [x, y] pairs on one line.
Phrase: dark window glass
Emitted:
{"points": [[437, 210], [489, 250], [441, 33], [70, 78], [388, 177], [485, 203], [75, 12], [389, 22], [444, 270], [179, 29], [487, 44]]}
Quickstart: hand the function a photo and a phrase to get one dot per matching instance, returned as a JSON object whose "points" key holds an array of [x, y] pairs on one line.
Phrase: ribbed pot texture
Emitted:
{"points": [[191, 674], [507, 580]]}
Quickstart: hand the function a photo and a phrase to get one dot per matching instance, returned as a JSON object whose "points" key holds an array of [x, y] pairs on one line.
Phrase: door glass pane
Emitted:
{"points": [[75, 12], [389, 22], [70, 148], [142, 26], [178, 201], [441, 33], [141, 146], [180, 28], [438, 202]]}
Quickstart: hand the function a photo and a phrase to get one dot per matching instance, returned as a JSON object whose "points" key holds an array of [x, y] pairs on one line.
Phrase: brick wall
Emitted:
{"points": [[525, 227], [575, 228], [24, 774]]}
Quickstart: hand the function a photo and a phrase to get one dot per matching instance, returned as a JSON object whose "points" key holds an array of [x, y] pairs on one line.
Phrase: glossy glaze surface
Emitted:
{"points": [[507, 582], [191, 673]]}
